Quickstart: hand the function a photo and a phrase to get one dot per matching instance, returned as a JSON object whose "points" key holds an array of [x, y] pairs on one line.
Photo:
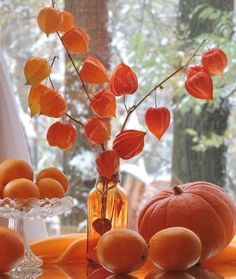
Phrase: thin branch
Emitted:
{"points": [[133, 108], [74, 119], [73, 63], [103, 147], [155, 99], [124, 102], [50, 80], [231, 93], [52, 63]]}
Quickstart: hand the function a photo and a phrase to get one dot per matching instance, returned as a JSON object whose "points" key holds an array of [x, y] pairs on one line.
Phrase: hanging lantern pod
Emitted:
{"points": [[62, 135], [199, 83], [215, 61]]}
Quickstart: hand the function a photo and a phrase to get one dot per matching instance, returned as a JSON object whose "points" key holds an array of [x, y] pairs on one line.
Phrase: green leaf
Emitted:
{"points": [[191, 132]]}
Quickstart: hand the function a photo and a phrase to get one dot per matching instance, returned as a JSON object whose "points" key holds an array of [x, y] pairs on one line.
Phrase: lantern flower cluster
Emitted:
{"points": [[62, 135], [93, 71], [129, 143], [103, 103], [107, 163], [157, 121], [76, 40], [36, 70], [123, 81], [97, 130], [214, 61], [45, 100], [199, 82]]}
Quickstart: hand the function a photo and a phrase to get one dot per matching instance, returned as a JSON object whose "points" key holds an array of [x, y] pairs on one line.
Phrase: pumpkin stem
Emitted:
{"points": [[177, 190]]}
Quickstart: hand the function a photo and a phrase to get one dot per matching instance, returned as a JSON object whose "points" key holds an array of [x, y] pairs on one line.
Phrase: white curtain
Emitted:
{"points": [[12, 141]]}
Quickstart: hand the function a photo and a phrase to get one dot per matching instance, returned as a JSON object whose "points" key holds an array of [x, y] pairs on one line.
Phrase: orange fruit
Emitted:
{"points": [[21, 188], [175, 248], [12, 249], [13, 168], [121, 251], [56, 174], [50, 188]]}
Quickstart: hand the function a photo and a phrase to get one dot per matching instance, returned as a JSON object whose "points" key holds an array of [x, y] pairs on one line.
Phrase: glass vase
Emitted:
{"points": [[107, 209]]}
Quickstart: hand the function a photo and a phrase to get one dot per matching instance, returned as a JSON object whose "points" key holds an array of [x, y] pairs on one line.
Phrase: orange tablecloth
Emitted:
{"points": [[65, 257]]}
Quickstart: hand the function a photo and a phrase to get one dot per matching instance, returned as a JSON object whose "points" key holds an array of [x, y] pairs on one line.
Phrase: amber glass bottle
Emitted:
{"points": [[107, 209]]}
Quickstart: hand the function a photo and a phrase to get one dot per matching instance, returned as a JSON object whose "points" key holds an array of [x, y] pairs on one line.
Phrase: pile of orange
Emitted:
{"points": [[123, 251], [17, 181]]}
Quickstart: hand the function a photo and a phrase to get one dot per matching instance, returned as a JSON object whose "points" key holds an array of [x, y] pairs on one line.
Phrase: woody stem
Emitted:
{"points": [[53, 61], [159, 85], [74, 119], [73, 63]]}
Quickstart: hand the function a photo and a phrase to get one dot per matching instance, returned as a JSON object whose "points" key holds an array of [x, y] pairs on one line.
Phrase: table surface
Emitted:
{"points": [[148, 271]]}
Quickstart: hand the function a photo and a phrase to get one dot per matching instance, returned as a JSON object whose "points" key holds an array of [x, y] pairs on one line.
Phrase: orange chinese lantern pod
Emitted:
{"points": [[62, 135], [93, 71], [97, 130], [123, 80], [67, 22], [103, 103], [215, 60], [199, 83], [49, 19], [76, 40], [129, 143], [36, 70], [34, 97], [52, 104], [157, 121], [107, 163]]}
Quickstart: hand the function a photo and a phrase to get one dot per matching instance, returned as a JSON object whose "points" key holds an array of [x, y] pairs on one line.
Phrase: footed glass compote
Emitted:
{"points": [[17, 210]]}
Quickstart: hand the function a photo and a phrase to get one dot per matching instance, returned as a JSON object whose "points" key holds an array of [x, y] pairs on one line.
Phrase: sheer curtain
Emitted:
{"points": [[12, 142]]}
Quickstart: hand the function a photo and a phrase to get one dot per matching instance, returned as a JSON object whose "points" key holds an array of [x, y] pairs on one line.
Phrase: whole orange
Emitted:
{"points": [[121, 251], [12, 249], [21, 188], [175, 248], [56, 174], [13, 168], [50, 188]]}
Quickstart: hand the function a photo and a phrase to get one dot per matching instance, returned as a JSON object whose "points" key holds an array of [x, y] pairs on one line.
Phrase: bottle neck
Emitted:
{"points": [[115, 178]]}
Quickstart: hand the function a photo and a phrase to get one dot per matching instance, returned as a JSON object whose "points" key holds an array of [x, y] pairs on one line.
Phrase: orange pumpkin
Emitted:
{"points": [[215, 60], [129, 143], [76, 40], [36, 69], [49, 19], [62, 135], [199, 83], [97, 130], [67, 23], [93, 71], [123, 80], [52, 104], [201, 207], [157, 121], [103, 103], [107, 163]]}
